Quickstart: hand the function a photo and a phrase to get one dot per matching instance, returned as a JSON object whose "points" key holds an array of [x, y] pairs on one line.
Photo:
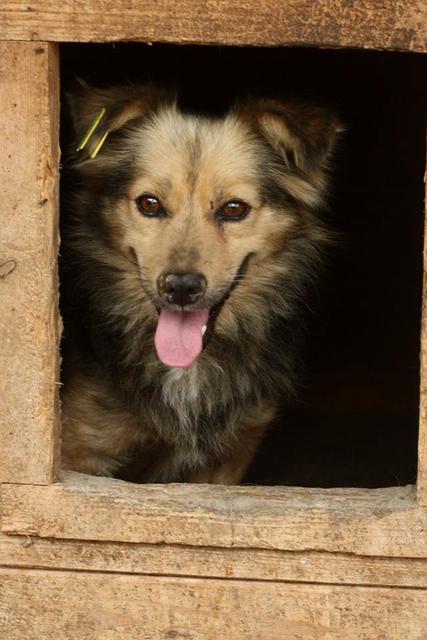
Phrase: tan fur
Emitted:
{"points": [[95, 440], [250, 434]]}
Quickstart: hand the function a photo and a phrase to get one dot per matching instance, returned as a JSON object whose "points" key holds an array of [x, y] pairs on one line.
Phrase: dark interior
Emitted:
{"points": [[355, 422]]}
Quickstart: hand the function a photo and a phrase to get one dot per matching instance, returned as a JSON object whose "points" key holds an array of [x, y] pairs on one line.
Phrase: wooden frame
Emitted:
{"points": [[371, 522], [422, 440], [392, 24], [264, 547], [29, 324], [114, 606]]}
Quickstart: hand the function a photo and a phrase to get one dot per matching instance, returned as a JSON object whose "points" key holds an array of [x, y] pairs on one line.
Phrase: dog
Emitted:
{"points": [[188, 246]]}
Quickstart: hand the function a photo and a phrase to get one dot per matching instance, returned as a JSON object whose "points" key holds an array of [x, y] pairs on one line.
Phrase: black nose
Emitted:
{"points": [[181, 288]]}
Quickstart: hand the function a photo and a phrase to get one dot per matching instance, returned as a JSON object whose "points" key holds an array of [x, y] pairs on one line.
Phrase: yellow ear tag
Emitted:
{"points": [[89, 133]]}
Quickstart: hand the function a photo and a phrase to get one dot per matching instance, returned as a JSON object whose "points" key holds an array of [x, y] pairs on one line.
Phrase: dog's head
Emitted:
{"points": [[202, 216]]}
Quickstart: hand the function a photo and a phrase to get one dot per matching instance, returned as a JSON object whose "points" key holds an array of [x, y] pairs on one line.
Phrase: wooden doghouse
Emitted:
{"points": [[86, 557]]}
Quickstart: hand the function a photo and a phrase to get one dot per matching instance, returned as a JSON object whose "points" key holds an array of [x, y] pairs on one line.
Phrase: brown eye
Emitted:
{"points": [[234, 210], [149, 206]]}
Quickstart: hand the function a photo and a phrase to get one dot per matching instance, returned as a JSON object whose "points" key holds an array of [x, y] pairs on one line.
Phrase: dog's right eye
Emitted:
{"points": [[149, 206]]}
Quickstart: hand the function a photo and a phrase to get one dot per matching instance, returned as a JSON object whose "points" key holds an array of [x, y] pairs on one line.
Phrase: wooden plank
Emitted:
{"points": [[29, 327], [181, 560], [46, 605], [378, 522], [391, 24], [422, 440]]}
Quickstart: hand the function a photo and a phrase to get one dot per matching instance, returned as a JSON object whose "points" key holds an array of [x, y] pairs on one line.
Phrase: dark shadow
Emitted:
{"points": [[356, 420]]}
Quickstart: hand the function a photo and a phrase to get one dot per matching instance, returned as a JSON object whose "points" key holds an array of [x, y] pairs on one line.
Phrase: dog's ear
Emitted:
{"points": [[107, 110], [303, 135]]}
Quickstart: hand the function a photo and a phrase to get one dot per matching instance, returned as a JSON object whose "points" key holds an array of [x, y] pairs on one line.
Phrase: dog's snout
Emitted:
{"points": [[181, 288]]}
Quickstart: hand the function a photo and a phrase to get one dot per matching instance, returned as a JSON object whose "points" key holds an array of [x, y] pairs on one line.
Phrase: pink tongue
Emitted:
{"points": [[179, 337]]}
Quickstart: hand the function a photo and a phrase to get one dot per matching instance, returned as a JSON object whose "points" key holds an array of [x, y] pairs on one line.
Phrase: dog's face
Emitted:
{"points": [[197, 203], [205, 208], [195, 215]]}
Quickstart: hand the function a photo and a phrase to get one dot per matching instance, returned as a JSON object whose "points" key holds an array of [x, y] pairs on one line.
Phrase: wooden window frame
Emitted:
{"points": [[39, 500]]}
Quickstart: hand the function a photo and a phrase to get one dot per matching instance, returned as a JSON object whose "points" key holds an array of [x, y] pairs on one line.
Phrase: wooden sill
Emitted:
{"points": [[370, 522]]}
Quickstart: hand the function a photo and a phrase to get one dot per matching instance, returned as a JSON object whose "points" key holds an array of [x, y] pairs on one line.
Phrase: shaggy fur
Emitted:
{"points": [[124, 412]]}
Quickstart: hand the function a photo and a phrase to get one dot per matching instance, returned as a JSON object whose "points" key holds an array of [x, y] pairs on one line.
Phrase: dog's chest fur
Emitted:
{"points": [[176, 425]]}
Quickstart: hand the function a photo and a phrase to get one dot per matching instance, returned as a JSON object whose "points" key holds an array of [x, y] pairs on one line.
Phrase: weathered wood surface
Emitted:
{"points": [[422, 441], [389, 24], [380, 522], [208, 562], [46, 605], [29, 327]]}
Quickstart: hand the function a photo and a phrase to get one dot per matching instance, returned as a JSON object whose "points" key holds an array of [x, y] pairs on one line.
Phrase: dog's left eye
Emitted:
{"points": [[234, 210], [149, 206]]}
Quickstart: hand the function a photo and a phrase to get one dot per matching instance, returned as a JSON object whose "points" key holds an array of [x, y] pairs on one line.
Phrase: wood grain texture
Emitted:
{"points": [[46, 605], [422, 439], [29, 326], [379, 522], [385, 24], [185, 561]]}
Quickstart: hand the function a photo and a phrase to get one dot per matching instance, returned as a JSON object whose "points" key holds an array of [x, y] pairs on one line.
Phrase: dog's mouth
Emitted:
{"points": [[182, 335]]}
